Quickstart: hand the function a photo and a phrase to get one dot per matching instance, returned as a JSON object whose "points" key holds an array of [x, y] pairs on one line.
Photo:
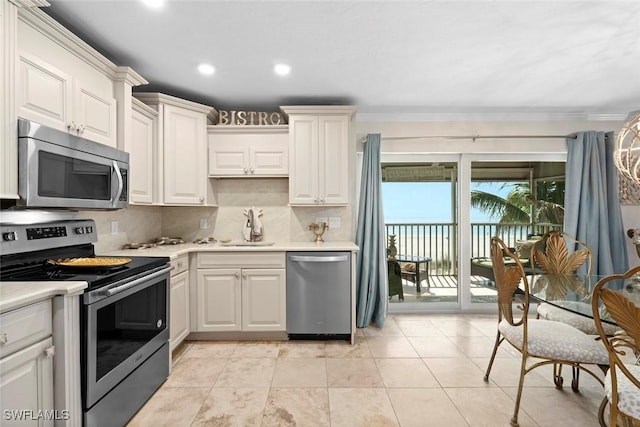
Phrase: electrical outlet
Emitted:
{"points": [[322, 219], [335, 222], [204, 223], [114, 227]]}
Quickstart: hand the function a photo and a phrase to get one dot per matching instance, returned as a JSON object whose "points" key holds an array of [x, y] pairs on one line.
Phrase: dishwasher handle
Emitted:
{"points": [[300, 258]]}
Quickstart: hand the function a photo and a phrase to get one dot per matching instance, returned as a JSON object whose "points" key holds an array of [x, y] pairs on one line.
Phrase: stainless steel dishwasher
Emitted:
{"points": [[319, 295]]}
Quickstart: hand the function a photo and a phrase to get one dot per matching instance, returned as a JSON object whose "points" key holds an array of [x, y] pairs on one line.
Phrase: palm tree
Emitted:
{"points": [[520, 206]]}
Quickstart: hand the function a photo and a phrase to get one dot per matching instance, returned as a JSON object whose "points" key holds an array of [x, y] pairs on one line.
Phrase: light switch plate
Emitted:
{"points": [[114, 227], [335, 222], [204, 223]]}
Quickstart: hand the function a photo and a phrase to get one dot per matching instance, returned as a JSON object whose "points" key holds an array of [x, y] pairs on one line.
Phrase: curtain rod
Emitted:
{"points": [[472, 137]]}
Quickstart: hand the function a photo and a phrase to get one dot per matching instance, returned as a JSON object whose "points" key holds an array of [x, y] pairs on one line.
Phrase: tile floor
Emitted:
{"points": [[419, 370]]}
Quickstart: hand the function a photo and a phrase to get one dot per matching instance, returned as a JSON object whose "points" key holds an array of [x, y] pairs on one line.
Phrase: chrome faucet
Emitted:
{"points": [[252, 231]]}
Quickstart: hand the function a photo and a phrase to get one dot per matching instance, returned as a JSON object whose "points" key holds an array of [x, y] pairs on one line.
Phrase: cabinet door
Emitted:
{"points": [[228, 160], [218, 300], [184, 160], [44, 93], [141, 151], [27, 385], [264, 304], [333, 160], [95, 115], [303, 151], [179, 309], [267, 161]]}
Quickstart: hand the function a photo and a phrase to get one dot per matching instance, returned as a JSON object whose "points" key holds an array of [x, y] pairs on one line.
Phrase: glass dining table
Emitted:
{"points": [[572, 292]]}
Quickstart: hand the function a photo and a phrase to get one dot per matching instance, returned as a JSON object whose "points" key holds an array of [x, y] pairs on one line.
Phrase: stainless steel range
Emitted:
{"points": [[124, 311]]}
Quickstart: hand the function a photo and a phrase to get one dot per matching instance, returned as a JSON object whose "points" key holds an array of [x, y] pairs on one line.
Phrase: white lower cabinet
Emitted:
{"points": [[26, 366], [249, 296], [179, 302]]}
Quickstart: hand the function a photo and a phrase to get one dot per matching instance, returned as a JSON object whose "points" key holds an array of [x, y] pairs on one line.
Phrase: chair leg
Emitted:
{"points": [[601, 409], [575, 382], [557, 375], [523, 368], [493, 355]]}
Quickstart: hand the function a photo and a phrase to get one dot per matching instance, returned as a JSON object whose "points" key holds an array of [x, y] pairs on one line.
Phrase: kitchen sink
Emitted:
{"points": [[247, 244]]}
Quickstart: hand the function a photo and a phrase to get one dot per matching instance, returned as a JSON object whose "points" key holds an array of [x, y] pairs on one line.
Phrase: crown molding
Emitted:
{"points": [[486, 116]]}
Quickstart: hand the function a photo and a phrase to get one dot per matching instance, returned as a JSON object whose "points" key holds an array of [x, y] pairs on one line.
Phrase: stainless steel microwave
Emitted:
{"points": [[60, 170]]}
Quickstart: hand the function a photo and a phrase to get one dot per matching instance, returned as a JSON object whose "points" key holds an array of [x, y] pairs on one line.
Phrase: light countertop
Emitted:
{"points": [[17, 294], [173, 251]]}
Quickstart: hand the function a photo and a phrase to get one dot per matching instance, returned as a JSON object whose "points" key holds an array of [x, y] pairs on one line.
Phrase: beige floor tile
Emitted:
{"points": [[419, 328], [257, 349], [344, 349], [488, 408], [390, 329], [360, 407], [457, 372], [211, 349], [300, 372], [457, 328], [552, 407], [302, 349], [195, 372], [436, 347], [390, 346], [170, 407], [353, 373], [480, 346], [405, 373], [425, 407], [298, 407], [505, 372], [232, 407], [246, 372]]}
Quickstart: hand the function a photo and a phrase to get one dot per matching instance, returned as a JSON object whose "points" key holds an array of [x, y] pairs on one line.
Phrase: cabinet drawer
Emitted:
{"points": [[179, 264], [25, 326], [241, 260]]}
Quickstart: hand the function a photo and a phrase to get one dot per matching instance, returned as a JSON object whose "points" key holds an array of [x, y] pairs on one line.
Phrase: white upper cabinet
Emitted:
{"points": [[319, 145], [8, 146], [142, 147], [182, 153], [248, 151], [55, 98]]}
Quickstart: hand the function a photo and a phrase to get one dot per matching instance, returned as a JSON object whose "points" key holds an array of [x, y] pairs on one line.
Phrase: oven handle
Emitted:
{"points": [[136, 282]]}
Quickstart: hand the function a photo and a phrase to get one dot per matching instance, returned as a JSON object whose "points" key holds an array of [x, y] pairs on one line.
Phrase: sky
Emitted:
{"points": [[429, 202]]}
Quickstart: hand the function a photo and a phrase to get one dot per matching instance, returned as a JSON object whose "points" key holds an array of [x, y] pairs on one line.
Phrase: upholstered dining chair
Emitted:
{"points": [[547, 341], [622, 381]]}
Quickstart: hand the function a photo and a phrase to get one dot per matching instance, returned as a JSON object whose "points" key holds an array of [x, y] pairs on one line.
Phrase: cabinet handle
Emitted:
{"points": [[244, 275], [71, 126], [246, 170], [80, 129], [321, 199], [252, 170], [179, 265], [50, 352], [201, 199], [3, 339], [315, 199], [236, 275]]}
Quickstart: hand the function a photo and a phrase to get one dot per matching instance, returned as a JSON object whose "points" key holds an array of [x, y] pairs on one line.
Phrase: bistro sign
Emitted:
{"points": [[247, 118]]}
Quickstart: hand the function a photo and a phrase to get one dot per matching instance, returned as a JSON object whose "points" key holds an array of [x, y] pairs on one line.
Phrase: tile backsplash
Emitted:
{"points": [[281, 222]]}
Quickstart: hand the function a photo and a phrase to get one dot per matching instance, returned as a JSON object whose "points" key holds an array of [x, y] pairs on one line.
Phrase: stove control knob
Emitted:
{"points": [[9, 236], [79, 230], [88, 229]]}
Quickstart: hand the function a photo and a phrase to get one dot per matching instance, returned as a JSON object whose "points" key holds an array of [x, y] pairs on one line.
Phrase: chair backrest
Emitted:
{"points": [[508, 279], [552, 255], [627, 316]]}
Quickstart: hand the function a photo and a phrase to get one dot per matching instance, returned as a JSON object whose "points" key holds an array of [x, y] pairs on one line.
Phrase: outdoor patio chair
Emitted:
{"points": [[395, 279], [540, 342], [622, 381]]}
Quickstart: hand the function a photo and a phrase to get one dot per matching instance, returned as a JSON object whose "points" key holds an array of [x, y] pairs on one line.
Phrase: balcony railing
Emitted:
{"points": [[439, 241]]}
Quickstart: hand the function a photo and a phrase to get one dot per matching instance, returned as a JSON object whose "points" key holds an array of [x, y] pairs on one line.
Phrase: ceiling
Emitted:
{"points": [[402, 58]]}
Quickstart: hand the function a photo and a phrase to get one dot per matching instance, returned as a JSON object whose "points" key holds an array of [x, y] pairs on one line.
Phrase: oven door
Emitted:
{"points": [[121, 331], [60, 175]]}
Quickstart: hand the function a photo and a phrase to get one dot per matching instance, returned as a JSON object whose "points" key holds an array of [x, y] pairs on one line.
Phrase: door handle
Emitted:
{"points": [[300, 258]]}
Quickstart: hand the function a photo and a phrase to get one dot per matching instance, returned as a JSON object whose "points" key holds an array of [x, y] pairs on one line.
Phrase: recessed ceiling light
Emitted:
{"points": [[282, 69], [206, 69], [156, 4]]}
